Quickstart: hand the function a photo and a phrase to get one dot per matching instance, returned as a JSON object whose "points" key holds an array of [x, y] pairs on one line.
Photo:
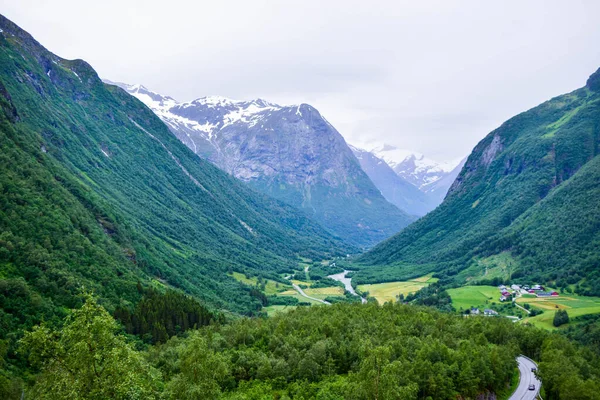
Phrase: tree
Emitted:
{"points": [[560, 318], [202, 371], [87, 359]]}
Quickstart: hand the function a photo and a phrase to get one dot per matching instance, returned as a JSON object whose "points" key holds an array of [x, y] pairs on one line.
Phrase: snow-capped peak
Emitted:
{"points": [[414, 166]]}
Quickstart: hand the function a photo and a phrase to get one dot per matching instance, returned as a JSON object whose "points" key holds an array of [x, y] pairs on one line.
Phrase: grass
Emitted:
{"points": [[575, 305], [322, 293], [388, 291], [271, 287], [274, 310], [496, 266], [301, 283], [293, 293], [474, 296]]}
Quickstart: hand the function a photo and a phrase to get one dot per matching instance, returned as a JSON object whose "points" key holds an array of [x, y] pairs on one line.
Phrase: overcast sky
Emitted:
{"points": [[431, 76]]}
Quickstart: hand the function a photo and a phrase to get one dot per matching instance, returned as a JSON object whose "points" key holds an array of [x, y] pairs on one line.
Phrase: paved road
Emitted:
{"points": [[526, 378], [299, 290]]}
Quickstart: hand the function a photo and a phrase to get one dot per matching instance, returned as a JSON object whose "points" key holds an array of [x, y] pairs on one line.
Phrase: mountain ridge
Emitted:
{"points": [[500, 204], [291, 153], [105, 197]]}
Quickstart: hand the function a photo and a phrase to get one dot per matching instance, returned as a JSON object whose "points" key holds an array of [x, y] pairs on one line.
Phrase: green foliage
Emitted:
{"points": [[158, 316], [433, 295], [354, 352], [96, 192], [87, 359], [201, 371], [528, 191], [561, 317], [344, 351]]}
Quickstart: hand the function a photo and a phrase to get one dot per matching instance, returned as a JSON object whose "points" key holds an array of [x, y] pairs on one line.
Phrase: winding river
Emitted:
{"points": [[341, 277]]}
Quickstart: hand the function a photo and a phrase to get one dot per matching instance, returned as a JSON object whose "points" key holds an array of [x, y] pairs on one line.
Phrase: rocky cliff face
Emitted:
{"points": [[289, 152]]}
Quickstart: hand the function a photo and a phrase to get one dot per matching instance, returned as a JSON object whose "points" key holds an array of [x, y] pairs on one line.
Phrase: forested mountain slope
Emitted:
{"points": [[96, 193], [289, 152], [529, 190]]}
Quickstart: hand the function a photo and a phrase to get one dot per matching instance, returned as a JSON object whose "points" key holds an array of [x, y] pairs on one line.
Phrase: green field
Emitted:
{"points": [[575, 306], [496, 266], [294, 294], [389, 291], [474, 296], [323, 293], [271, 287], [273, 310]]}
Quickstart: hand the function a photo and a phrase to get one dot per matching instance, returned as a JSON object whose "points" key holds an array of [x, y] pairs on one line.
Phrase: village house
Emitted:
{"points": [[547, 294], [489, 312], [474, 311]]}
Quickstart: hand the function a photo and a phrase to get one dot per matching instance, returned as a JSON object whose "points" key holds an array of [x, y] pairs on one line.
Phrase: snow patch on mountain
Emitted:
{"points": [[413, 166], [226, 111]]}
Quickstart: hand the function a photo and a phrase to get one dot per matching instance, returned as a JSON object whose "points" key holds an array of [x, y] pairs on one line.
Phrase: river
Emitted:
{"points": [[341, 277]]}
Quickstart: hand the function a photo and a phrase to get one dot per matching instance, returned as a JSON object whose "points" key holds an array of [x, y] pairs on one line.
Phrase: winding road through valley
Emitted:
{"points": [[526, 377]]}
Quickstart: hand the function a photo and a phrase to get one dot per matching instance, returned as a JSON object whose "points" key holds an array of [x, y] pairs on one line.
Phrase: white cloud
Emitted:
{"points": [[433, 76]]}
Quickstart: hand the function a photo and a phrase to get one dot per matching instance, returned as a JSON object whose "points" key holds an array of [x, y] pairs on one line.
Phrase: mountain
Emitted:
{"points": [[97, 194], [289, 152], [525, 204], [436, 191], [393, 187], [417, 169]]}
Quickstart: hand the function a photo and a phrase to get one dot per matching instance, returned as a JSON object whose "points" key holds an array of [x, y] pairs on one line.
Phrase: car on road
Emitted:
{"points": [[531, 387], [533, 369]]}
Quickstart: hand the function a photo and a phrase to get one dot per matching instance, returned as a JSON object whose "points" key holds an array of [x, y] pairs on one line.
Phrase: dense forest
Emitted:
{"points": [[340, 352]]}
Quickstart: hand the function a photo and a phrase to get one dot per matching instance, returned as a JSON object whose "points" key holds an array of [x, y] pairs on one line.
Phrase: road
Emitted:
{"points": [[526, 378], [299, 290]]}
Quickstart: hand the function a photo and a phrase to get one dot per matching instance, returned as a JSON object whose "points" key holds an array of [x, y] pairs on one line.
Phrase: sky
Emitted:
{"points": [[430, 76]]}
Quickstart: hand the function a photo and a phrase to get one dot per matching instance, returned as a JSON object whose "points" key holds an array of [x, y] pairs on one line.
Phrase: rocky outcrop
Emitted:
{"points": [[289, 152]]}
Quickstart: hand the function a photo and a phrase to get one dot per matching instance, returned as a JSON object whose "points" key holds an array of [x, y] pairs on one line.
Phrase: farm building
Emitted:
{"points": [[547, 294]]}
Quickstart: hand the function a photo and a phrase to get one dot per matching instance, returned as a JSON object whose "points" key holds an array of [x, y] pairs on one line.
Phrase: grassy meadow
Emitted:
{"points": [[574, 305], [389, 291]]}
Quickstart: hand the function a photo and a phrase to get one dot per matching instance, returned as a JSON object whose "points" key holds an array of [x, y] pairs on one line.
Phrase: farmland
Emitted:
{"points": [[574, 305], [389, 291], [473, 296]]}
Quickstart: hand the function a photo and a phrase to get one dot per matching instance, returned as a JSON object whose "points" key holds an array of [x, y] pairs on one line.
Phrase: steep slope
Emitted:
{"points": [[394, 188], [436, 191], [528, 191], [291, 153], [416, 168], [97, 193]]}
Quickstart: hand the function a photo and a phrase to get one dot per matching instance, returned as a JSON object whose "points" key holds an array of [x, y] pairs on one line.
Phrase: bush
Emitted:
{"points": [[560, 318]]}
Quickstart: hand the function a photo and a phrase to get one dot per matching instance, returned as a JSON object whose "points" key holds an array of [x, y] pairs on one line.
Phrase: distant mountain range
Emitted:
{"points": [[289, 152], [412, 171], [525, 204]]}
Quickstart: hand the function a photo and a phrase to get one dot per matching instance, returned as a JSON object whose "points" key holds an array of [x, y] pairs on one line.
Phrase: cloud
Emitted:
{"points": [[432, 76]]}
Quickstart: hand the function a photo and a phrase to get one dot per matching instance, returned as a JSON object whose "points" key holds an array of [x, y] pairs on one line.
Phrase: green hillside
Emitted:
{"points": [[96, 193], [530, 190]]}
